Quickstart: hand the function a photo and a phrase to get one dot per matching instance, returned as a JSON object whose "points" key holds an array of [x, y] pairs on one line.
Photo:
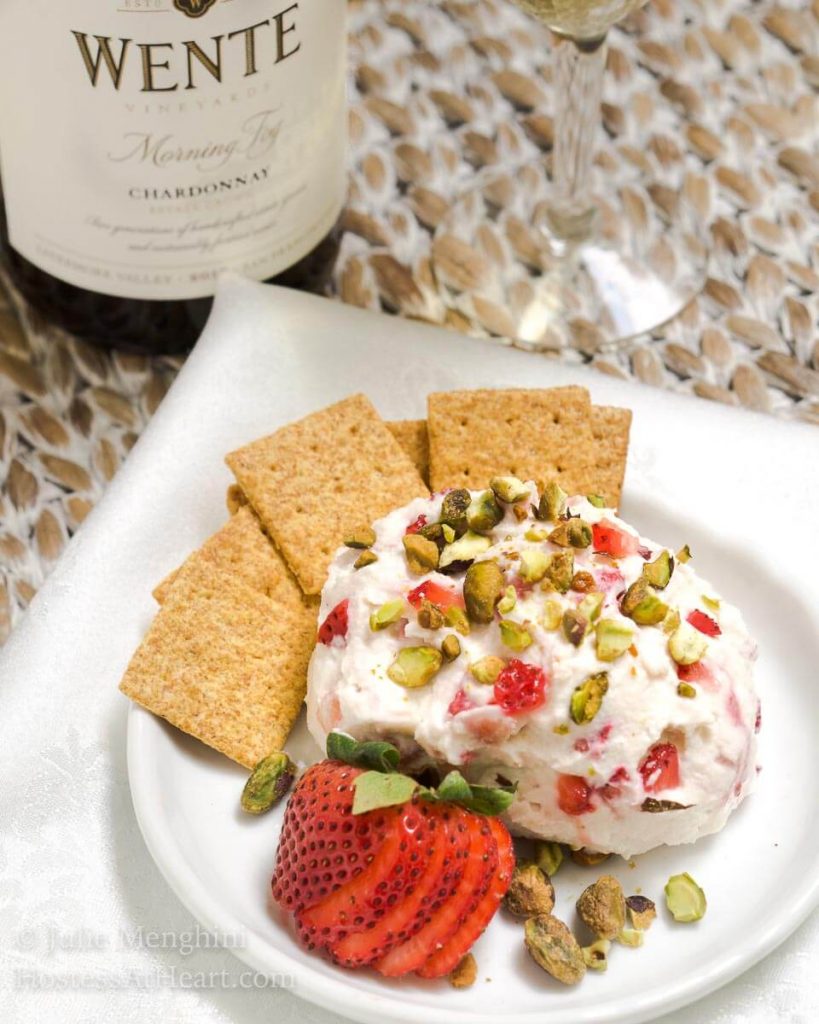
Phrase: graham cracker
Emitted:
{"points": [[610, 428], [413, 437], [225, 663], [314, 480], [235, 499], [532, 434]]}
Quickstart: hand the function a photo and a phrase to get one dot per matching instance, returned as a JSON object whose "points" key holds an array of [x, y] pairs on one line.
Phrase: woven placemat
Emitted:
{"points": [[714, 101]]}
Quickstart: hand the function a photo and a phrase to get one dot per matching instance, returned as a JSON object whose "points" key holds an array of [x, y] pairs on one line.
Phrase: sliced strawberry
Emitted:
{"points": [[660, 768], [477, 867], [336, 623], [417, 524], [520, 687], [704, 623], [322, 844], [609, 539], [453, 951], [400, 862], [574, 795], [420, 900], [429, 590]]}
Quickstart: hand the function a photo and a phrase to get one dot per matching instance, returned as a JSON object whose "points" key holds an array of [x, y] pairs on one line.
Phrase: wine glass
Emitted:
{"points": [[549, 260]]}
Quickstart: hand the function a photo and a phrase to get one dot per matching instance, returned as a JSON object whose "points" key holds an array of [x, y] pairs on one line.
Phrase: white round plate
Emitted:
{"points": [[761, 874]]}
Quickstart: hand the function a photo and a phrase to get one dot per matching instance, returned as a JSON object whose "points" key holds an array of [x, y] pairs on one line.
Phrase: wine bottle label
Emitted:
{"points": [[148, 145]]}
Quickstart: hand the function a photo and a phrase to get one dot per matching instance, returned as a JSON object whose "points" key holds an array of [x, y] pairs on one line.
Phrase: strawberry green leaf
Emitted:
{"points": [[373, 754], [454, 787], [490, 800], [376, 789]]}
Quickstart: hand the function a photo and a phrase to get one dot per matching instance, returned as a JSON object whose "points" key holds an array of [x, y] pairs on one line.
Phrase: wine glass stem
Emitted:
{"points": [[578, 83]]}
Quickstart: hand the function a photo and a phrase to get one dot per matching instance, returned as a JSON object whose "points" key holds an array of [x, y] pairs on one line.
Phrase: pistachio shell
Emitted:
{"points": [[587, 698], [415, 666], [684, 898], [483, 589], [533, 565], [422, 554], [613, 639], [268, 782], [515, 636], [486, 670], [387, 614], [363, 537], [465, 549], [509, 489], [687, 645], [484, 513], [552, 502]]}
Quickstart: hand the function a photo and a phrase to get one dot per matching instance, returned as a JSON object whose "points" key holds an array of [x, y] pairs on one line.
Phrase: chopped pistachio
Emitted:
{"points": [[686, 690], [508, 601], [451, 647], [671, 621], [509, 489], [456, 618], [535, 534], [560, 535], [430, 615], [363, 537], [483, 589], [464, 973], [687, 645], [533, 565], [484, 513], [580, 533], [548, 856], [520, 512], [658, 573], [587, 698], [268, 782], [364, 559], [641, 910], [387, 614], [575, 626], [415, 666], [422, 554], [684, 898], [486, 670], [552, 502], [465, 549], [642, 605], [684, 554], [553, 947], [596, 956], [587, 858], [514, 635], [710, 602], [552, 615], [448, 533], [561, 730], [613, 639], [597, 500], [602, 906], [530, 891], [590, 606], [560, 571], [435, 533], [583, 582], [453, 509], [630, 937], [653, 806]]}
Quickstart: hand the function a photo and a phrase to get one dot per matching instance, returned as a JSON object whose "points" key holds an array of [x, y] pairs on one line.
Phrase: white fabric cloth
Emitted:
{"points": [[74, 870]]}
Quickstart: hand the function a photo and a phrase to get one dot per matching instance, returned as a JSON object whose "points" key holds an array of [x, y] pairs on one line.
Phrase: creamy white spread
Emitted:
{"points": [[615, 805]]}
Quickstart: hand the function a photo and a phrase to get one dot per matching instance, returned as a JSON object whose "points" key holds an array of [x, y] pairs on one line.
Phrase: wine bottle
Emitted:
{"points": [[148, 145]]}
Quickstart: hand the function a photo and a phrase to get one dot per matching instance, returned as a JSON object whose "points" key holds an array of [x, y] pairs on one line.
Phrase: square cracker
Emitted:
{"points": [[532, 434], [224, 663], [610, 428], [242, 548], [413, 437], [314, 480]]}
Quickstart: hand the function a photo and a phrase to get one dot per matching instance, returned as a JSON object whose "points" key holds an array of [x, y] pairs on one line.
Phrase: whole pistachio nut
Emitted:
{"points": [[387, 614], [364, 559], [451, 647], [575, 626], [483, 588], [509, 489], [613, 638], [268, 782], [587, 698], [587, 858], [553, 947], [552, 615], [530, 892], [534, 564], [484, 514], [548, 856], [461, 552], [591, 605], [630, 937], [687, 645], [422, 554], [658, 573], [415, 666], [684, 898], [552, 502], [508, 601], [514, 635], [642, 605], [602, 906], [456, 618], [560, 571], [642, 911], [430, 615], [487, 669], [363, 537], [596, 955], [453, 509]]}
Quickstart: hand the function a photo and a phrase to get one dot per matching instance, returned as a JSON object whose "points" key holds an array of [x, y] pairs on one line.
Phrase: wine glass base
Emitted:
{"points": [[643, 263]]}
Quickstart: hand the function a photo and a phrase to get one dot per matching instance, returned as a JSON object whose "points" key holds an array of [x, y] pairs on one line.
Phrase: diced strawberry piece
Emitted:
{"points": [[613, 788], [610, 581], [574, 795], [453, 951], [420, 899], [429, 590], [417, 524], [322, 845], [699, 672], [478, 866], [660, 768], [336, 623], [609, 539], [460, 702], [704, 623], [619, 775], [520, 687]]}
